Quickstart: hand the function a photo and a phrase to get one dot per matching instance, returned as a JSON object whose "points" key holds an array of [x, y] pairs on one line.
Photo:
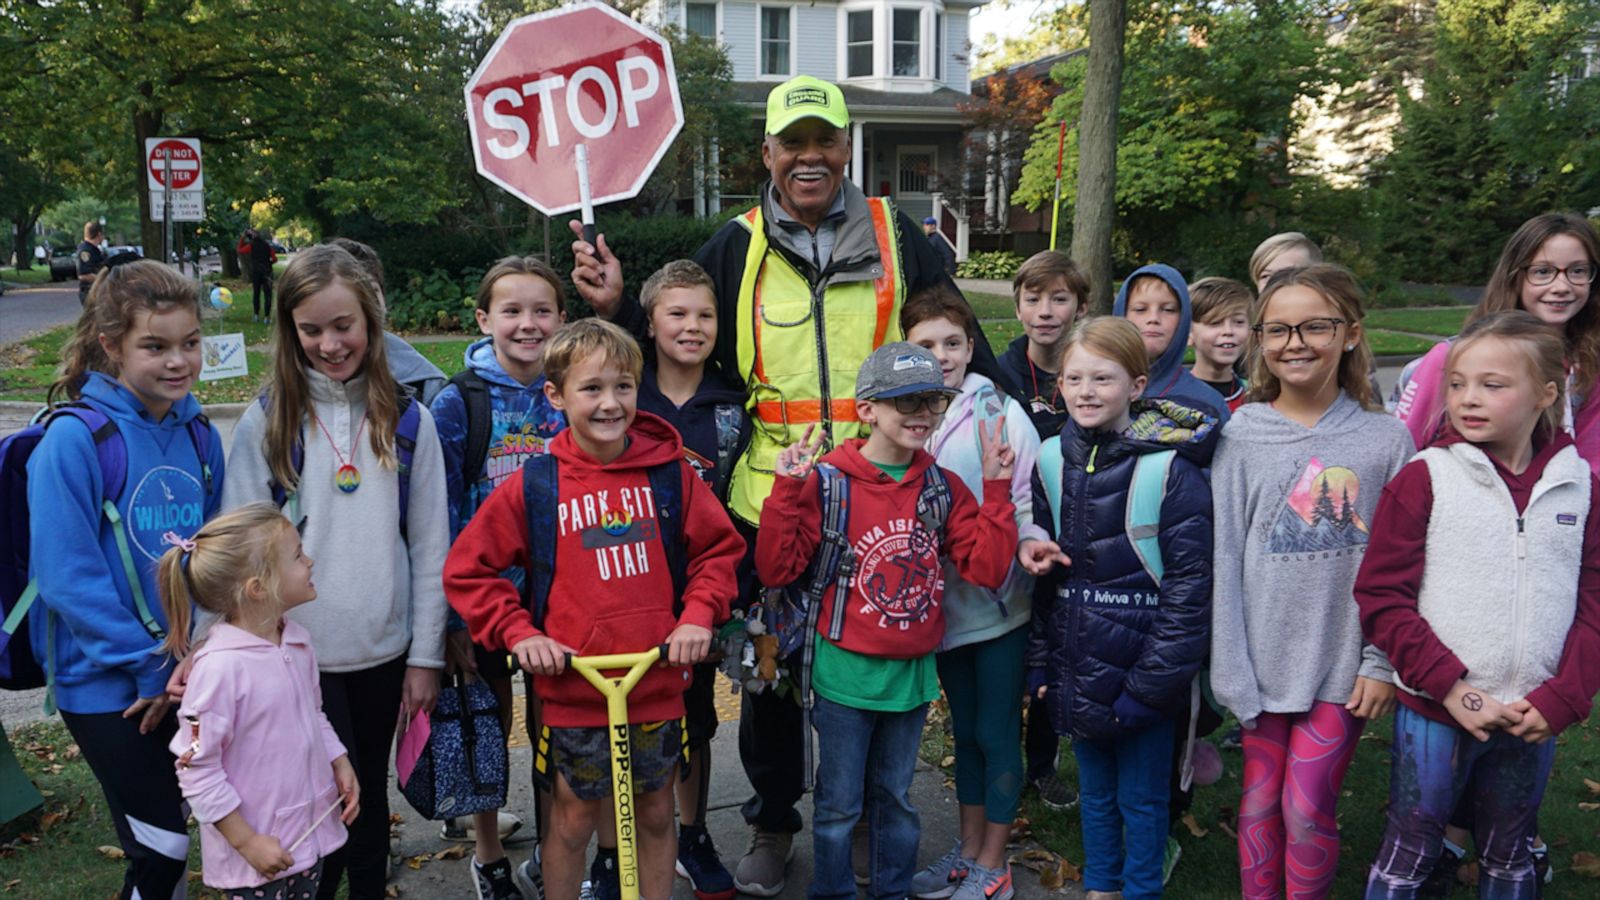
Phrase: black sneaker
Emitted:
{"points": [[698, 862], [605, 881], [494, 882], [1443, 877], [1054, 794]]}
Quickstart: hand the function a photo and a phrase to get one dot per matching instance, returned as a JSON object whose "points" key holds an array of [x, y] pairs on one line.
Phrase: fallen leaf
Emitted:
{"points": [[456, 852], [416, 862], [110, 852], [1593, 786], [46, 793], [1194, 827], [1586, 863], [73, 752], [13, 883], [395, 818], [947, 762], [50, 820], [1589, 807], [392, 890], [195, 874], [1054, 870], [1228, 830]]}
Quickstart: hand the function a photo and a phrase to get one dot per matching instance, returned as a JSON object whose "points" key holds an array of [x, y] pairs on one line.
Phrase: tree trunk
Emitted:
{"points": [[145, 125], [1095, 211]]}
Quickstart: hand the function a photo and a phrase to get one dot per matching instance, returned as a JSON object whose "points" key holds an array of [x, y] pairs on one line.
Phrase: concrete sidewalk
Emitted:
{"points": [[450, 878]]}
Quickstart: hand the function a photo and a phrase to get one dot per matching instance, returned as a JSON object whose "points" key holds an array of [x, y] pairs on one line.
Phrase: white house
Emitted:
{"points": [[902, 65]]}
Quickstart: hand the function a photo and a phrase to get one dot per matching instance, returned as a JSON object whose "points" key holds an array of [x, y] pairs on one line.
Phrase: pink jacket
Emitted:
{"points": [[1421, 407], [252, 717]]}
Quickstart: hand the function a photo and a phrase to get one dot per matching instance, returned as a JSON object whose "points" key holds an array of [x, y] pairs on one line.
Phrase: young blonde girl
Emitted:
{"points": [[1548, 269], [128, 368], [1117, 638], [257, 760], [326, 436], [1480, 587], [1296, 482]]}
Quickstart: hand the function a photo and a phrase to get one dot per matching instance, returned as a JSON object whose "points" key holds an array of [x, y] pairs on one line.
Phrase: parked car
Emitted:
{"points": [[63, 263], [124, 248]]}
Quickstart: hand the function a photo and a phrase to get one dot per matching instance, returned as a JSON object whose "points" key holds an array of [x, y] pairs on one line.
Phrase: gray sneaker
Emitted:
{"points": [[986, 884], [528, 877], [761, 872], [941, 879]]}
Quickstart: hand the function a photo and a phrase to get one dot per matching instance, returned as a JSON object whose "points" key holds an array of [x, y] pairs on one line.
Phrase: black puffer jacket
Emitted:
{"points": [[1117, 649]]}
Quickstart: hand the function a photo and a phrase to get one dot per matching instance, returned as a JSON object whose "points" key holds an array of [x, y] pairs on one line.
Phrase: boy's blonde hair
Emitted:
{"points": [[1112, 337], [1215, 298], [579, 340], [680, 273], [1339, 287], [1542, 346], [1046, 268], [1276, 246], [520, 265], [229, 552]]}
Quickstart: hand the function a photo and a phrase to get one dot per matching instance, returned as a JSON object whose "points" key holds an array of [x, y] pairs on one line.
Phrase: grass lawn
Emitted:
{"points": [[1443, 321], [1208, 870], [37, 275]]}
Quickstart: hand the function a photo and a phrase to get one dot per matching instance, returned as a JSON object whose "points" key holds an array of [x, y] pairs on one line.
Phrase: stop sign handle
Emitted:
{"points": [[585, 199]]}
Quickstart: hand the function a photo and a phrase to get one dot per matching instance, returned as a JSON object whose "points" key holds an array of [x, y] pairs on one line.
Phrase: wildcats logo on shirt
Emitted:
{"points": [[618, 526]]}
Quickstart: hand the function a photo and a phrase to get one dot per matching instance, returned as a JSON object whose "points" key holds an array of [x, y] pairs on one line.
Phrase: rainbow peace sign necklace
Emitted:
{"points": [[347, 477]]}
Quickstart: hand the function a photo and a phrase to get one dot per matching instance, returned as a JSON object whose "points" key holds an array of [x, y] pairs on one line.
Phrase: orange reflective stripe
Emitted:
{"points": [[804, 412], [882, 229]]}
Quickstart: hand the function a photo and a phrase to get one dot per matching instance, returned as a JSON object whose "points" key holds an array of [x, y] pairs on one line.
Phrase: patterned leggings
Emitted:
{"points": [[1294, 764], [299, 886]]}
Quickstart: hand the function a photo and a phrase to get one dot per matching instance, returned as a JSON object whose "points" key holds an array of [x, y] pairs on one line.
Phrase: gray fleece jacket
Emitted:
{"points": [[1293, 506], [378, 596]]}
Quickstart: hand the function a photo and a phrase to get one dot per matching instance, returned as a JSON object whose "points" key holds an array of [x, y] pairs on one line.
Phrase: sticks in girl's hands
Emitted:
{"points": [[320, 819], [797, 460], [1038, 557], [998, 457]]}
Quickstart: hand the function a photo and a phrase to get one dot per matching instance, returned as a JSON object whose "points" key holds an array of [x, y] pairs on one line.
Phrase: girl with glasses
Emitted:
{"points": [[1296, 483]]}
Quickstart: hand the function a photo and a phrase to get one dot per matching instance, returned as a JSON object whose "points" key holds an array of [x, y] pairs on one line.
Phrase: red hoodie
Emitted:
{"points": [[895, 604], [612, 593], [1391, 577]]}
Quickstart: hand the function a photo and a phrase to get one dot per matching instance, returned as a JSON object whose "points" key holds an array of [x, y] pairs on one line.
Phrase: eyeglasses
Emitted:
{"points": [[1577, 276], [1314, 333], [908, 404]]}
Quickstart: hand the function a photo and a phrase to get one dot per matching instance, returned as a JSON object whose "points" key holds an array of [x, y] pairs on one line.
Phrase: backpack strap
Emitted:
{"points": [[1050, 465], [1143, 523], [933, 501], [540, 496], [405, 450], [281, 495], [480, 423], [666, 486], [200, 432], [835, 563]]}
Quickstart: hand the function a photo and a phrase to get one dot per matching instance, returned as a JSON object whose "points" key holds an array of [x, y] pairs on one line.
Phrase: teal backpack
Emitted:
{"points": [[1143, 515]]}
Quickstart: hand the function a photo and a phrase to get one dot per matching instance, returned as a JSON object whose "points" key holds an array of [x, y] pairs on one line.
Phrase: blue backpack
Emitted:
{"points": [[18, 668], [405, 449], [541, 497]]}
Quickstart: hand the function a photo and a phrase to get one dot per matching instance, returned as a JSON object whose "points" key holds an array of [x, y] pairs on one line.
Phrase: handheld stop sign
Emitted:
{"points": [[573, 107]]}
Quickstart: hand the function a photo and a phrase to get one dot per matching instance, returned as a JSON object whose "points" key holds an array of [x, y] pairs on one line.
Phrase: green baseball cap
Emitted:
{"points": [[805, 97]]}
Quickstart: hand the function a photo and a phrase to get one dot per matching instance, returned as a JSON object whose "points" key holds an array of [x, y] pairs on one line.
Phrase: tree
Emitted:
{"points": [[1322, 511], [1095, 209]]}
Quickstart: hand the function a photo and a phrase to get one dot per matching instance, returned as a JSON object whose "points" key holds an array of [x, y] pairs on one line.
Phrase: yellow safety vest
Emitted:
{"points": [[800, 352]]}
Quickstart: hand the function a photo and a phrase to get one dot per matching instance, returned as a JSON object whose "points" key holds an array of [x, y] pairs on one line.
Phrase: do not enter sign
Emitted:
{"points": [[180, 156], [584, 75]]}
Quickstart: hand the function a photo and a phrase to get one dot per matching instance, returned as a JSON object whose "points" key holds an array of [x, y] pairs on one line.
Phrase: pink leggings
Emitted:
{"points": [[1293, 766]]}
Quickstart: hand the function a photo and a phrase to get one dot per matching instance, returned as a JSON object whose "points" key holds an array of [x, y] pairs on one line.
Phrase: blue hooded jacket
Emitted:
{"points": [[524, 424], [1118, 649], [104, 657], [1168, 377]]}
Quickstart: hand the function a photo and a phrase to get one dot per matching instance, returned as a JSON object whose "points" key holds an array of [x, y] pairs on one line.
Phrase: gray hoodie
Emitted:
{"points": [[1293, 508]]}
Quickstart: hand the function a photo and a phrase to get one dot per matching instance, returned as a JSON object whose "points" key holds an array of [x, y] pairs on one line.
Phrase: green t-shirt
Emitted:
{"points": [[874, 682]]}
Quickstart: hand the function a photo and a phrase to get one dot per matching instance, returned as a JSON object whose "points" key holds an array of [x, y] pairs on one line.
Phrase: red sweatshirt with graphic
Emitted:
{"points": [[894, 610], [611, 591]]}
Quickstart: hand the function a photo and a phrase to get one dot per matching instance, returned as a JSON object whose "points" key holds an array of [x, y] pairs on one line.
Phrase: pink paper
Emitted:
{"points": [[412, 743]]}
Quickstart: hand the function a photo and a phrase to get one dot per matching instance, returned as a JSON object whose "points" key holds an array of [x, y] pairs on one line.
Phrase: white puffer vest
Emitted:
{"points": [[1501, 590]]}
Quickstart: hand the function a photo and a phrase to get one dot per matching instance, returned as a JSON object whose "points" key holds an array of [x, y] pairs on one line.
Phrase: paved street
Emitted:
{"points": [[30, 309]]}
